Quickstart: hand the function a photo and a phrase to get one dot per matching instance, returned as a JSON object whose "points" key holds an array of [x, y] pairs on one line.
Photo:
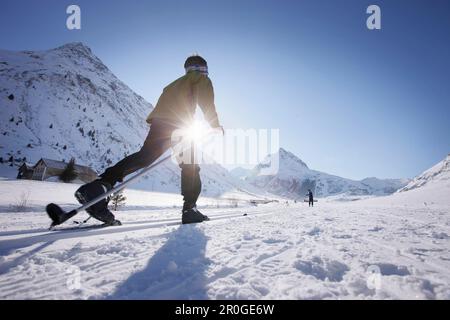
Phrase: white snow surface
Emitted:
{"points": [[277, 251]]}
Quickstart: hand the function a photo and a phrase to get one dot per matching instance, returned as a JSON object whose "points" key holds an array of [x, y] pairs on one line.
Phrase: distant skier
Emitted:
{"points": [[311, 198], [175, 110]]}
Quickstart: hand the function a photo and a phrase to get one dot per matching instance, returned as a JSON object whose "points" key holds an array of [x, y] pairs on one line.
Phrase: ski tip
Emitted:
{"points": [[51, 207], [54, 212]]}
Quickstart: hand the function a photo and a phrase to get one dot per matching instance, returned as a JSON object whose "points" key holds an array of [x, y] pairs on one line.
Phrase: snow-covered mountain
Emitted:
{"points": [[438, 174], [65, 102], [240, 173], [294, 178], [384, 186], [431, 189]]}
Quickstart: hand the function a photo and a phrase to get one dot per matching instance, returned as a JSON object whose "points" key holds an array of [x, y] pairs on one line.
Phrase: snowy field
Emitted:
{"points": [[396, 247]]}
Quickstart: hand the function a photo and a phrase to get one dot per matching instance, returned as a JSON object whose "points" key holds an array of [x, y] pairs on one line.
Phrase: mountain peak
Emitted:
{"points": [[79, 53], [75, 46], [286, 155], [76, 50], [283, 151]]}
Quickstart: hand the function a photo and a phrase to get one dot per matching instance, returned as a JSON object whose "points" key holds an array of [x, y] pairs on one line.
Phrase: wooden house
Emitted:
{"points": [[47, 168], [25, 171]]}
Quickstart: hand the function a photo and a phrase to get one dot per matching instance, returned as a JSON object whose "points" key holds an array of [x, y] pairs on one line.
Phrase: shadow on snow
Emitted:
{"points": [[176, 271]]}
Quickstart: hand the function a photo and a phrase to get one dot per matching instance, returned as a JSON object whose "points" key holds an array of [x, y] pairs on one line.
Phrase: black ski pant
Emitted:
{"points": [[311, 202], [158, 141]]}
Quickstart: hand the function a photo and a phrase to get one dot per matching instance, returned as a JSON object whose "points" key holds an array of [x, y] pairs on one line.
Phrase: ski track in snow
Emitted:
{"points": [[275, 252]]}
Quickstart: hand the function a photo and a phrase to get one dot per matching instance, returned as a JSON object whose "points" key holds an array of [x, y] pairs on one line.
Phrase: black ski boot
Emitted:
{"points": [[58, 215], [192, 215], [99, 210], [205, 217], [113, 223]]}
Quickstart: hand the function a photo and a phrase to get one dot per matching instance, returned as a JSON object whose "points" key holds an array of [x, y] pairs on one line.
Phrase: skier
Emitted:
{"points": [[175, 110], [311, 198]]}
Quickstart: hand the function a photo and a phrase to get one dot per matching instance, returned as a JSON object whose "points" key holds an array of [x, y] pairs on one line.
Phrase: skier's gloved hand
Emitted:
{"points": [[220, 128]]}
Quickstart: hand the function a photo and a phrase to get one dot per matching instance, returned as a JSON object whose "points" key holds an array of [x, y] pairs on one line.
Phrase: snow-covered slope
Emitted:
{"points": [[240, 173], [384, 186], [65, 103], [431, 189], [438, 174], [294, 178], [336, 250]]}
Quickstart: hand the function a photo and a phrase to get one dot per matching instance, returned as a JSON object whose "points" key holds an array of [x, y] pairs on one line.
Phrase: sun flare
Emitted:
{"points": [[195, 131]]}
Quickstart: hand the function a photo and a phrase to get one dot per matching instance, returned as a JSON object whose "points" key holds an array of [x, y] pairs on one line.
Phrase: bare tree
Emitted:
{"points": [[21, 204]]}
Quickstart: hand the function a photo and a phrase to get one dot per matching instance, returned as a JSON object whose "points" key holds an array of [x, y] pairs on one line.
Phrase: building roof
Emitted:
{"points": [[27, 165], [62, 165]]}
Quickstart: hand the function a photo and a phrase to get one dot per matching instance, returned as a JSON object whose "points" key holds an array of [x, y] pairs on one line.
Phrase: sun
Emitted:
{"points": [[195, 131]]}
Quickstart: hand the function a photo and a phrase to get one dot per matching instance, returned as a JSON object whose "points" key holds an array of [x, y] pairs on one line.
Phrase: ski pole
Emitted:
{"points": [[82, 222], [121, 186]]}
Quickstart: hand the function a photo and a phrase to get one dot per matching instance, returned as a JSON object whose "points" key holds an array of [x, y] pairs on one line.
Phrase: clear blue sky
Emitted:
{"points": [[348, 101]]}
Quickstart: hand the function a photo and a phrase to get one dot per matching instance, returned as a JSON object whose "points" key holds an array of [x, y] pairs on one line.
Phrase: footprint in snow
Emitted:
{"points": [[314, 231], [323, 270], [273, 240], [342, 236], [440, 235], [389, 269]]}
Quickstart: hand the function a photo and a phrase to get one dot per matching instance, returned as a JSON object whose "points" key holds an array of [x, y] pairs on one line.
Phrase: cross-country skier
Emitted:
{"points": [[311, 198], [175, 110]]}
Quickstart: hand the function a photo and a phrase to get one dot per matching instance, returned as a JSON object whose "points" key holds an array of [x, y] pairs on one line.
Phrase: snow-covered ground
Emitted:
{"points": [[395, 247]]}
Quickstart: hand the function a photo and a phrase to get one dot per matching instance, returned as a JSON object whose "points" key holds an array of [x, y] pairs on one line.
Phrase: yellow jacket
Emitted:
{"points": [[179, 100]]}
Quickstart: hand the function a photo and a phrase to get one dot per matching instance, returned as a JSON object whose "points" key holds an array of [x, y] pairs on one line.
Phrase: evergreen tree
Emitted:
{"points": [[117, 200], [69, 174]]}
